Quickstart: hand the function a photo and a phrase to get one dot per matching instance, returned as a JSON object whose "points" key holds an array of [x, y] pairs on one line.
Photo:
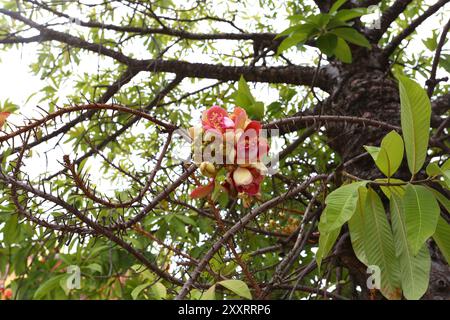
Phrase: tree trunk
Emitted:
{"points": [[364, 89]]}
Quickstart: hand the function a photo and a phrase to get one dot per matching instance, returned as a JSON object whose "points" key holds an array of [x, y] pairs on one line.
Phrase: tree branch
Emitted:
{"points": [[387, 18], [432, 82], [390, 48]]}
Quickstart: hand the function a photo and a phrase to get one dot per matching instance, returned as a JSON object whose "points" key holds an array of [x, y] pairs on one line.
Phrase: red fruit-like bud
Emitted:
{"points": [[202, 191]]}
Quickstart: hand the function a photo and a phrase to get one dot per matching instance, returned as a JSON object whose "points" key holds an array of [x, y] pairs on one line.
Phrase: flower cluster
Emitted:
{"points": [[234, 142]]}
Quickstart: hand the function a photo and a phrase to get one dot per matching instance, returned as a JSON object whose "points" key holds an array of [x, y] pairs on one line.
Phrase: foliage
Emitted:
{"points": [[94, 177]]}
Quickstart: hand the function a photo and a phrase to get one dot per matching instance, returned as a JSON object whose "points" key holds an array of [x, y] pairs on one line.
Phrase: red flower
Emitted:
{"points": [[246, 180], [7, 294], [244, 148], [250, 146], [216, 118]]}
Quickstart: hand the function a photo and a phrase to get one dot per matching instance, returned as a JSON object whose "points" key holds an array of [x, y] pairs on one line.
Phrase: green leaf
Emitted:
{"points": [[415, 120], [319, 20], [414, 270], [389, 190], [304, 28], [392, 143], [433, 169], [446, 175], [137, 291], [291, 41], [442, 237], [326, 242], [342, 51], [238, 287], [11, 229], [379, 245], [48, 286], [286, 94], [95, 267], [63, 284], [159, 291], [446, 165], [356, 227], [327, 43], [256, 110], [336, 5], [444, 62], [348, 14], [421, 212], [341, 205], [244, 98], [210, 294], [388, 157], [441, 198], [352, 36]]}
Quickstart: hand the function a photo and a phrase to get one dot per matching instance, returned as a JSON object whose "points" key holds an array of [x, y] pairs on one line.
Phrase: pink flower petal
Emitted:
{"points": [[227, 123]]}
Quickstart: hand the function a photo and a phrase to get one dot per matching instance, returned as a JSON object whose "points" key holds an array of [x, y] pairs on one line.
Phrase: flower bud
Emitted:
{"points": [[242, 177], [207, 169]]}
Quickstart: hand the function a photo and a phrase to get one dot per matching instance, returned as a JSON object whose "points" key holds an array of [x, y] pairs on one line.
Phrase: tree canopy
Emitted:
{"points": [[102, 198]]}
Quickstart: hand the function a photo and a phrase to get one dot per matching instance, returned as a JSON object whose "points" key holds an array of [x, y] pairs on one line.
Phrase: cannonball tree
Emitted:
{"points": [[226, 150]]}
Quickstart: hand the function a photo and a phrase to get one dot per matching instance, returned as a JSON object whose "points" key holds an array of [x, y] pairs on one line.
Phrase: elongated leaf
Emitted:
{"points": [[336, 5], [389, 190], [446, 165], [342, 51], [11, 229], [326, 242], [352, 36], [243, 96], [327, 43], [348, 14], [443, 200], [159, 291], [356, 227], [137, 291], [415, 120], [304, 28], [48, 286], [442, 237], [379, 246], [415, 270], [433, 169], [238, 287], [421, 213], [388, 157], [210, 294], [291, 41], [341, 205], [392, 143]]}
